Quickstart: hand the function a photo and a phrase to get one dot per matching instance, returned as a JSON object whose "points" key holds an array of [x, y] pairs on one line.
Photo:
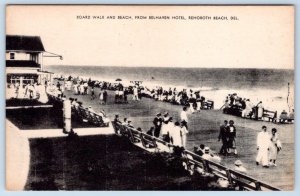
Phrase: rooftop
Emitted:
{"points": [[24, 43]]}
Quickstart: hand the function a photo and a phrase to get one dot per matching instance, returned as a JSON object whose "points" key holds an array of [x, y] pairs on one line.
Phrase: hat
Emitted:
{"points": [[166, 113], [206, 149], [90, 106], [238, 163], [158, 114], [264, 127]]}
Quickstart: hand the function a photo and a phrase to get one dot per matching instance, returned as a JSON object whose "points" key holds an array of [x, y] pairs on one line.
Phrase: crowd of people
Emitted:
{"points": [[175, 131], [164, 128], [244, 108], [35, 91], [185, 97]]}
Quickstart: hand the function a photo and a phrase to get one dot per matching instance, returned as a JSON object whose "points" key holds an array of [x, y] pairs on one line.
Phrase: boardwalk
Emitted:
{"points": [[204, 128]]}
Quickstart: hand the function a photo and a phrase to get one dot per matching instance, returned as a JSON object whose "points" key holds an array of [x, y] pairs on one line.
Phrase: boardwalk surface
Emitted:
{"points": [[204, 129]]}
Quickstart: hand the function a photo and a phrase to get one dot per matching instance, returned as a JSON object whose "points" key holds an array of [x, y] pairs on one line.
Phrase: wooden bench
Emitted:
{"points": [[209, 105], [270, 115]]}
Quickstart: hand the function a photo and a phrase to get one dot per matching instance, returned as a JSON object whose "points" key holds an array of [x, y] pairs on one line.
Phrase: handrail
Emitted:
{"points": [[235, 178], [90, 114]]}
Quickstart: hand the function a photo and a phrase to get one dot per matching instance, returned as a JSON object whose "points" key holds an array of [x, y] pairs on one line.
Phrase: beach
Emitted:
{"points": [[267, 85]]}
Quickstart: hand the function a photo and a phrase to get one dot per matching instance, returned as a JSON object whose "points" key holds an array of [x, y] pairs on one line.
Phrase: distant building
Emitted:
{"points": [[24, 60]]}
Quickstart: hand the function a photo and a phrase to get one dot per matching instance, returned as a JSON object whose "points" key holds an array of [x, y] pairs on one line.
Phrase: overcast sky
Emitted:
{"points": [[263, 37]]}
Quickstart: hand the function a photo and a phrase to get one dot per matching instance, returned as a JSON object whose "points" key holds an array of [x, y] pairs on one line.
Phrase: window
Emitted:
{"points": [[12, 55]]}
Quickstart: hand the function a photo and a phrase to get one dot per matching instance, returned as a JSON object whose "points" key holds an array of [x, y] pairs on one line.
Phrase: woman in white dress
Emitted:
{"points": [[260, 110], [275, 147], [101, 96], [43, 96], [176, 135]]}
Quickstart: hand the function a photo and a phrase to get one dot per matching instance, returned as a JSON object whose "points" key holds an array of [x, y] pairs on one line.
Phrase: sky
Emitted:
{"points": [[262, 37]]}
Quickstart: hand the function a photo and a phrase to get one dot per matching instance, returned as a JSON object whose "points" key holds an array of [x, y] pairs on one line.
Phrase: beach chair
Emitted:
{"points": [[209, 105]]}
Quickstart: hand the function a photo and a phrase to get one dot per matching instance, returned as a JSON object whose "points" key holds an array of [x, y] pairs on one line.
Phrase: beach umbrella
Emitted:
{"points": [[118, 80]]}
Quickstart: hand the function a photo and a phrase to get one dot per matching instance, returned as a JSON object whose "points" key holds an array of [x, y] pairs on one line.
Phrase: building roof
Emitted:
{"points": [[22, 63], [24, 43]]}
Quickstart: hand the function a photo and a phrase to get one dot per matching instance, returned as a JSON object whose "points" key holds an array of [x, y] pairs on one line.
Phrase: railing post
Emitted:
{"points": [[142, 140], [131, 137], [206, 165], [257, 186], [229, 177]]}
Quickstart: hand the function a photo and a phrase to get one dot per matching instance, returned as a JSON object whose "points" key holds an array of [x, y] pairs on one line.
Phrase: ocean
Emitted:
{"points": [[267, 85]]}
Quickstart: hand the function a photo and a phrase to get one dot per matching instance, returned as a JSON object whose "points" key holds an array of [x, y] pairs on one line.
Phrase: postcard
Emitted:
{"points": [[150, 97]]}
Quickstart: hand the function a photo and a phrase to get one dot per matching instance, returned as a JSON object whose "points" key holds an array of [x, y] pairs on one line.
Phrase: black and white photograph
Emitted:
{"points": [[150, 97]]}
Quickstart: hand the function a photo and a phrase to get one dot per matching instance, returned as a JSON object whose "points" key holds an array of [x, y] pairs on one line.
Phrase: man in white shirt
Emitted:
{"points": [[263, 145], [183, 116]]}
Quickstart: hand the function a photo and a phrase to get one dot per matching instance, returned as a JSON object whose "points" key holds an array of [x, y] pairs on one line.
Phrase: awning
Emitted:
{"points": [[45, 72]]}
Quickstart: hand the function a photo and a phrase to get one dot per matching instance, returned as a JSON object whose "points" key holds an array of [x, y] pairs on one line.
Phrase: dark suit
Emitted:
{"points": [[157, 125], [224, 137]]}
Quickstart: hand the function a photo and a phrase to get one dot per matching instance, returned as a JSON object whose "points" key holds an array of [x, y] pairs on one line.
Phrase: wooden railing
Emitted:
{"points": [[235, 179], [81, 113]]}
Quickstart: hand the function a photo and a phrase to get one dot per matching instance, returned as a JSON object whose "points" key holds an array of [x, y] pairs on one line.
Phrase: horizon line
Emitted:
{"points": [[145, 66]]}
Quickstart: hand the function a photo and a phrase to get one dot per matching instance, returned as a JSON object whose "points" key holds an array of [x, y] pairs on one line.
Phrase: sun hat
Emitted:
{"points": [[238, 163], [206, 149]]}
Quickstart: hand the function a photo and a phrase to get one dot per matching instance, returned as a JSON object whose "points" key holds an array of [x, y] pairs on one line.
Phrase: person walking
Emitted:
{"points": [[275, 147], [101, 96], [105, 96], [263, 145], [93, 93], [165, 132], [183, 116], [135, 93], [231, 144], [183, 133], [260, 111], [223, 135], [176, 136], [198, 101], [157, 124], [125, 95], [192, 100]]}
